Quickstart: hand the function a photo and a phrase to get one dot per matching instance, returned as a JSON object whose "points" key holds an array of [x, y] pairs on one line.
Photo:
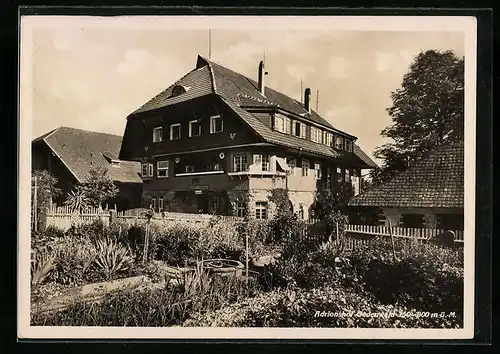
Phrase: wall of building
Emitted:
{"points": [[138, 138], [394, 214]]}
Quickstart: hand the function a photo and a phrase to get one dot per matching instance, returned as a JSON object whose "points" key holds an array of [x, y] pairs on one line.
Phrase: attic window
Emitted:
{"points": [[179, 90], [115, 163]]}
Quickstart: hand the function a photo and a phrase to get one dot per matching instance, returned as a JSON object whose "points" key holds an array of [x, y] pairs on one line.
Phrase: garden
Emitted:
{"points": [[304, 282]]}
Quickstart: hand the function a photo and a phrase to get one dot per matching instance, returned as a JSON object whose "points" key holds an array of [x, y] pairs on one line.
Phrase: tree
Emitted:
{"points": [[95, 191], [427, 111], [46, 189]]}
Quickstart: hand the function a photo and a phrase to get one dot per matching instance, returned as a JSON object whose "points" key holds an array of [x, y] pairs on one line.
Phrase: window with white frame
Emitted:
{"points": [[241, 209], [339, 174], [347, 175], [153, 203], [299, 129], [292, 164], [279, 122], [262, 160], [316, 135], [261, 210], [317, 170], [175, 131], [194, 128], [240, 162], [157, 134], [305, 168], [288, 125], [216, 203], [160, 203], [147, 170], [216, 124], [162, 168], [339, 142], [328, 139]]}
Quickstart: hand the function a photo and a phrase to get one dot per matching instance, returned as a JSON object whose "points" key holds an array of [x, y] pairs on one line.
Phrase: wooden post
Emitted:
{"points": [[246, 255], [146, 241], [35, 205], [337, 231], [392, 240]]}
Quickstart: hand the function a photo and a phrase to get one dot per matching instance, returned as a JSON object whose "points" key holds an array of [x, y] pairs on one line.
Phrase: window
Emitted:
{"points": [[261, 210], [299, 129], [157, 134], [450, 221], [262, 160], [189, 168], [348, 145], [175, 131], [412, 221], [216, 124], [339, 174], [292, 164], [194, 128], [316, 135], [153, 203], [347, 175], [328, 139], [288, 125], [279, 123], [317, 170], [339, 142], [240, 162], [216, 203], [305, 168], [160, 203], [147, 170], [162, 169], [241, 209]]}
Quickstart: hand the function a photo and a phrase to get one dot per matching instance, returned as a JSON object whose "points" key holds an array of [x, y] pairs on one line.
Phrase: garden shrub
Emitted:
{"points": [[178, 246], [301, 308], [167, 306], [112, 258]]}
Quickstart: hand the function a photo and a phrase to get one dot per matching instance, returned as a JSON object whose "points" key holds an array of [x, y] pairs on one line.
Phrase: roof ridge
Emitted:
{"points": [[212, 76]]}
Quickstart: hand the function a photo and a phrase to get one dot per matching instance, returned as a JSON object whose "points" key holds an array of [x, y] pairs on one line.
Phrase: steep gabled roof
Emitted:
{"points": [[435, 181], [79, 150], [239, 92]]}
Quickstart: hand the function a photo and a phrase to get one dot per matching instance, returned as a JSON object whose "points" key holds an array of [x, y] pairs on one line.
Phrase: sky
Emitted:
{"points": [[91, 75]]}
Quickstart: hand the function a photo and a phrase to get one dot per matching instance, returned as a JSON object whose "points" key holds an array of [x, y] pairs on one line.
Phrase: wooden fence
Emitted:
{"points": [[357, 235], [64, 217], [401, 232]]}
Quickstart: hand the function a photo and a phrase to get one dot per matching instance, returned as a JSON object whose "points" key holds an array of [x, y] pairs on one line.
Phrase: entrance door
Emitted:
{"points": [[202, 203]]}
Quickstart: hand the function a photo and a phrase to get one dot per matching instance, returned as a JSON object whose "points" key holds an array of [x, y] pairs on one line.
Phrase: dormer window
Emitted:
{"points": [[299, 129], [316, 135], [115, 163], [179, 90], [348, 145], [339, 142], [157, 134]]}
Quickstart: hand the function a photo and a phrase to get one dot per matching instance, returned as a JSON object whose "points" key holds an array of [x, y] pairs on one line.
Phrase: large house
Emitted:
{"points": [[216, 141], [428, 194], [70, 153]]}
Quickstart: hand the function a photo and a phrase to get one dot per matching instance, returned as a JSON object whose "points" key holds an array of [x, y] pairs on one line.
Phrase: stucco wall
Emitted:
{"points": [[394, 214]]}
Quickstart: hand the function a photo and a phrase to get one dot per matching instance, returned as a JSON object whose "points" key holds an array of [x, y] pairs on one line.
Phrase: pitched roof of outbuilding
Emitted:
{"points": [[240, 92], [79, 150], [435, 181]]}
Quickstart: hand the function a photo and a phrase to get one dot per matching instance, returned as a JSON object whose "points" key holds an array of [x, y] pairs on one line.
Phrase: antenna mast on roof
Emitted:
{"points": [[301, 90], [317, 100], [209, 43]]}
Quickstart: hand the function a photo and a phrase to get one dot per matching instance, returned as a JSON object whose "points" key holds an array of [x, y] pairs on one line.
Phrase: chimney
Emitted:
{"points": [[262, 73], [307, 100]]}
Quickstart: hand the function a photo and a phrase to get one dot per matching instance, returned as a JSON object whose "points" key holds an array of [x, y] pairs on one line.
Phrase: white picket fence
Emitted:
{"points": [[402, 232], [64, 217]]}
